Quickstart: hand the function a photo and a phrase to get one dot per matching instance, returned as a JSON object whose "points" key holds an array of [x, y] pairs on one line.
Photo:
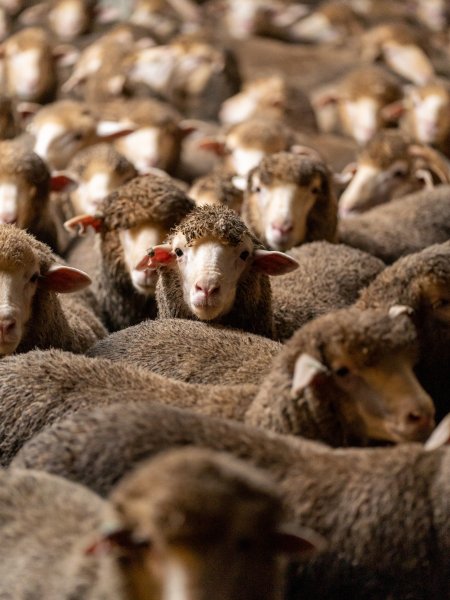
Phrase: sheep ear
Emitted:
{"points": [[81, 223], [63, 181], [307, 370], [346, 175], [393, 111], [300, 542], [110, 130], [26, 110], [158, 256], [215, 146], [66, 55], [64, 280], [239, 182], [115, 537], [399, 309], [274, 263], [440, 436]]}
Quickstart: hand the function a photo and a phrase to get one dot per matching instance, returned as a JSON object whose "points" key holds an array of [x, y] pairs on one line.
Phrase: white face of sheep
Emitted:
{"points": [[210, 270], [430, 116], [282, 210], [154, 67], [69, 18], [135, 243], [245, 16], [434, 13], [360, 118], [18, 286], [383, 402], [147, 148], [372, 185], [26, 69]]}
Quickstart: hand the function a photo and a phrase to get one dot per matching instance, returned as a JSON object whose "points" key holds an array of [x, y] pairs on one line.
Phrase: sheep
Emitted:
{"points": [[213, 269], [32, 316], [66, 19], [290, 200], [421, 281], [403, 226], [402, 47], [222, 355], [329, 277], [389, 166], [134, 217], [339, 394], [360, 96], [159, 132], [164, 18], [94, 172], [246, 144], [61, 129], [271, 97], [384, 512], [424, 113], [216, 189], [190, 521], [25, 184], [29, 65], [190, 73]]}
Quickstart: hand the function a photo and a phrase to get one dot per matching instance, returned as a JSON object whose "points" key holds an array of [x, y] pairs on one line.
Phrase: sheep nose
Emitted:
{"points": [[284, 228], [208, 289], [7, 327], [418, 424]]}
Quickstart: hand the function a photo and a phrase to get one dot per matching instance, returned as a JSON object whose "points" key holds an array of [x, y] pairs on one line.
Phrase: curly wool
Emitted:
{"points": [[147, 198], [291, 168], [214, 221]]}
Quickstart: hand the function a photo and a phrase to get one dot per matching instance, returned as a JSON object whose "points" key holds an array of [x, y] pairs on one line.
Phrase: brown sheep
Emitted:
{"points": [[422, 282], [174, 526], [406, 225], [290, 200], [133, 218], [213, 269], [384, 512], [32, 315]]}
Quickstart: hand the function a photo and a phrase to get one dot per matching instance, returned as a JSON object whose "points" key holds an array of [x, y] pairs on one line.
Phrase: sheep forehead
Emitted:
{"points": [[211, 221], [284, 167], [432, 103], [18, 250]]}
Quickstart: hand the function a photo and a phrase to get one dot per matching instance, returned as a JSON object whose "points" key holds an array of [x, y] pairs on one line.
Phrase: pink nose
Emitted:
{"points": [[208, 289], [283, 228], [7, 327]]}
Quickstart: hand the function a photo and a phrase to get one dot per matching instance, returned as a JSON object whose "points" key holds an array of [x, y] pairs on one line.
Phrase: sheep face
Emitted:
{"points": [[361, 117], [21, 274], [372, 184], [434, 13], [435, 295], [135, 243], [153, 67], [29, 65], [381, 401], [283, 209], [149, 148], [245, 18], [70, 18], [17, 202], [209, 270], [428, 114]]}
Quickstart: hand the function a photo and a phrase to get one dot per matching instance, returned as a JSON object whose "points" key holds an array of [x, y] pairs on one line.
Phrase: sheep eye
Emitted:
{"points": [[244, 255], [442, 303], [257, 189], [77, 136], [178, 251], [34, 277], [398, 173], [315, 190], [342, 372]]}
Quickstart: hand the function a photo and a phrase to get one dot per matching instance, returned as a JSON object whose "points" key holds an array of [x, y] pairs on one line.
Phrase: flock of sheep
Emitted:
{"points": [[224, 241]]}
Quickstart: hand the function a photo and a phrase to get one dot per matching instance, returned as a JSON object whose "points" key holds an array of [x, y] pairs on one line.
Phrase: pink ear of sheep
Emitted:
{"points": [[158, 256], [63, 181], [81, 223], [272, 262], [298, 541], [64, 280]]}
